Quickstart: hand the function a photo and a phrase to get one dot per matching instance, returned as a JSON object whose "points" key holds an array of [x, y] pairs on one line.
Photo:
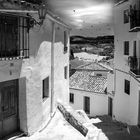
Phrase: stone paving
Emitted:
{"points": [[116, 130]]}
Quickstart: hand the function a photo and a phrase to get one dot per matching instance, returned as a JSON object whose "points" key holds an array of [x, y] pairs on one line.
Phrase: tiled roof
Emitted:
{"points": [[76, 63], [83, 80], [93, 66]]}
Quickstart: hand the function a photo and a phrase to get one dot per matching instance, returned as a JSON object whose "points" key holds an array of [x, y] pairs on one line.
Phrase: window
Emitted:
{"points": [[135, 49], [126, 16], [87, 104], [46, 88], [14, 37], [65, 41], [127, 87], [71, 98], [65, 72], [98, 74], [126, 47]]}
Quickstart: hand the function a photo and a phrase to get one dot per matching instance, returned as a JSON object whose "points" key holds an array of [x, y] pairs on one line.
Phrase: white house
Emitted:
{"points": [[127, 57], [34, 63], [88, 89]]}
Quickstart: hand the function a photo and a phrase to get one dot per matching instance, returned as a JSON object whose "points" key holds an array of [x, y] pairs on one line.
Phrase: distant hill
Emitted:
{"points": [[91, 40]]}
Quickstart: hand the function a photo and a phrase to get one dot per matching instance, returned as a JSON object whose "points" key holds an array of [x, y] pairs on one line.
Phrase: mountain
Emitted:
{"points": [[91, 40]]}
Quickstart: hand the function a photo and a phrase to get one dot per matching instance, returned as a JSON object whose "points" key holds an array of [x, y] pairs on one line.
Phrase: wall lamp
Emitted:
{"points": [[42, 11]]}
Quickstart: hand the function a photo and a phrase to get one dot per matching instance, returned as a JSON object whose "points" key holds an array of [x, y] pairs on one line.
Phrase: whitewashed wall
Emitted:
{"points": [[125, 106], [98, 102], [33, 111], [122, 34], [110, 82]]}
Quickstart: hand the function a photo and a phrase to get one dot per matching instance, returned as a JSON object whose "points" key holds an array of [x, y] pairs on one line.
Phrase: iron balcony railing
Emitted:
{"points": [[134, 20], [134, 64]]}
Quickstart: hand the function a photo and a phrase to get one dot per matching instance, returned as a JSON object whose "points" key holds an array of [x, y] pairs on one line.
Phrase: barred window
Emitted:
{"points": [[14, 37]]}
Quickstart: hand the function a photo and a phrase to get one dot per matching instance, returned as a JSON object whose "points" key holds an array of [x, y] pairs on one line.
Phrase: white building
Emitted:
{"points": [[34, 63], [127, 57], [88, 89]]}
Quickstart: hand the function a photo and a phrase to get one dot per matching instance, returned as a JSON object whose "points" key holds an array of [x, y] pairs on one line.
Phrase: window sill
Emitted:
{"points": [[45, 99], [71, 102], [12, 58]]}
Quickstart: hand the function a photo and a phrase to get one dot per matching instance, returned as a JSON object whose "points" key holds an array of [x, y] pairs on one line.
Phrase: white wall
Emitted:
{"points": [[98, 102], [126, 106], [110, 82], [33, 111], [122, 34]]}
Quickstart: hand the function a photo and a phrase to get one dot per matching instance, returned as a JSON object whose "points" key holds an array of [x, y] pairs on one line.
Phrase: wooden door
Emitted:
{"points": [[8, 105], [110, 106], [87, 105]]}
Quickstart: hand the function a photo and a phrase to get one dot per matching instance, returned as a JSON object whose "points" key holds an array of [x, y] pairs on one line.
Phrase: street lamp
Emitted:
{"points": [[42, 11]]}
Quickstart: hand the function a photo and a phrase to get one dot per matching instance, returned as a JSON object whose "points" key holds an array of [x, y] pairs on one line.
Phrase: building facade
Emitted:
{"points": [[127, 62], [89, 89], [34, 74]]}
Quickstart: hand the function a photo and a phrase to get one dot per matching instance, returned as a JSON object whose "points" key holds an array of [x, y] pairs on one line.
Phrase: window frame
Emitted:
{"points": [[66, 72], [99, 74], [45, 94], [134, 48], [19, 27], [127, 86], [65, 41], [71, 98], [126, 16], [126, 47]]}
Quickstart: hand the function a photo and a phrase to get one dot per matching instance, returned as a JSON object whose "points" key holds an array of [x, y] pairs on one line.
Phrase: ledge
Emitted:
{"points": [[133, 74], [135, 29]]}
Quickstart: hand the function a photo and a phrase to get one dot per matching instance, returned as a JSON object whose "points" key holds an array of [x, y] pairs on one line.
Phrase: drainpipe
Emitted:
{"points": [[52, 68]]}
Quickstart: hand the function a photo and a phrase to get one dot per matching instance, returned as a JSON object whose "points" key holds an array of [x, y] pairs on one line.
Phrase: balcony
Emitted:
{"points": [[134, 20], [134, 64]]}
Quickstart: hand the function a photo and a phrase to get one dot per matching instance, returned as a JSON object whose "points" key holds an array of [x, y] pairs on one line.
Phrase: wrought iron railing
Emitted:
{"points": [[134, 64], [134, 19], [14, 37]]}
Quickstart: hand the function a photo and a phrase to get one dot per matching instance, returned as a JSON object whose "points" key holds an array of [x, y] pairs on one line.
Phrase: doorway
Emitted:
{"points": [[110, 106], [8, 107], [87, 104]]}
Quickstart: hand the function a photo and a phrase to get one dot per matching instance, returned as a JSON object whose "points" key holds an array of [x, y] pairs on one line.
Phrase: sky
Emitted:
{"points": [[85, 17]]}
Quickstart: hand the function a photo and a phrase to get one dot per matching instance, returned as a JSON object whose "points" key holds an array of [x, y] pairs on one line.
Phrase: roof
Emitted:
{"points": [[88, 56], [94, 66], [83, 80], [76, 63]]}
